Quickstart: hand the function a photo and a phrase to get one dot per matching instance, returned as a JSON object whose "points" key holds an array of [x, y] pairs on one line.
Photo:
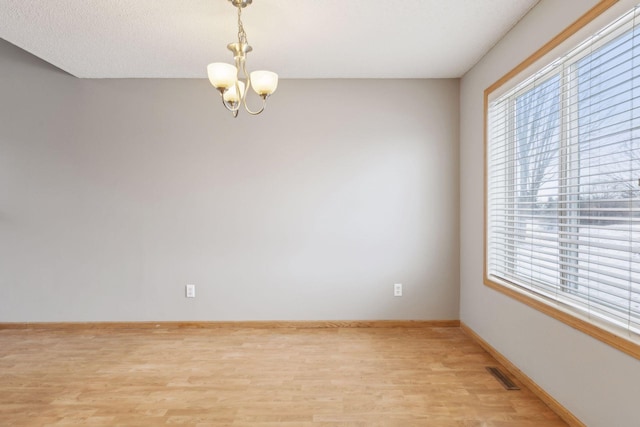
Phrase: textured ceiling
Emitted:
{"points": [[295, 38]]}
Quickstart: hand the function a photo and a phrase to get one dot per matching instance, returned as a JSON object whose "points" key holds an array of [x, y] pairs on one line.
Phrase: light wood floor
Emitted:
{"points": [[256, 377]]}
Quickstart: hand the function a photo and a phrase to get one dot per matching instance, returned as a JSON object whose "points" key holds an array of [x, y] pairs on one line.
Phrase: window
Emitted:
{"points": [[563, 183]]}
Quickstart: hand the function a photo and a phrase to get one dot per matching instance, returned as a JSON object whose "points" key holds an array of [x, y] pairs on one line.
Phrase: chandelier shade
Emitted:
{"points": [[232, 95], [222, 75], [233, 82], [264, 82]]}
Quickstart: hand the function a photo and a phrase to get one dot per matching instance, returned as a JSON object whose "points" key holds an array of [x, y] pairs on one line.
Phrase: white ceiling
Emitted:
{"points": [[295, 38]]}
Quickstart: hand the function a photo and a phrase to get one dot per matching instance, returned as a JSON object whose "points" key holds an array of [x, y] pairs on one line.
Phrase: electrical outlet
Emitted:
{"points": [[397, 290], [190, 291]]}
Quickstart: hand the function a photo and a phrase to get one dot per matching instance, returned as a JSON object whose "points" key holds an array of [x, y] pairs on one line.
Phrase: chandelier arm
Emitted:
{"points": [[255, 113], [247, 79], [246, 92]]}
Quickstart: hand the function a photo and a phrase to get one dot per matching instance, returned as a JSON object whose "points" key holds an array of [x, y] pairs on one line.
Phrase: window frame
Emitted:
{"points": [[601, 331]]}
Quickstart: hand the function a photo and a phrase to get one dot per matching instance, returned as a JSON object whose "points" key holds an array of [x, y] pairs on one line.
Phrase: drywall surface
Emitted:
{"points": [[597, 383], [115, 194]]}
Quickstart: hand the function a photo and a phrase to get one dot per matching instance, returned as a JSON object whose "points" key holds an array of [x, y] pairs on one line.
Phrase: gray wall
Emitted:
{"points": [[114, 194], [599, 384]]}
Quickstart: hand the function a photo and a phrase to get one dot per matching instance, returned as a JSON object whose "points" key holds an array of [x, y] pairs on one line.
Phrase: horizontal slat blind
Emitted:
{"points": [[563, 179]]}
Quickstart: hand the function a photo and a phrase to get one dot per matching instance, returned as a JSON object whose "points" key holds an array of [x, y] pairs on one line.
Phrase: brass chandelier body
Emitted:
{"points": [[233, 82]]}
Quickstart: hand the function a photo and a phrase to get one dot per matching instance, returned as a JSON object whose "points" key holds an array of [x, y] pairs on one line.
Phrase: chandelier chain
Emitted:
{"points": [[242, 35]]}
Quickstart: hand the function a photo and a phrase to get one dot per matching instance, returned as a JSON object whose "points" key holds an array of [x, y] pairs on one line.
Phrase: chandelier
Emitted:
{"points": [[233, 82]]}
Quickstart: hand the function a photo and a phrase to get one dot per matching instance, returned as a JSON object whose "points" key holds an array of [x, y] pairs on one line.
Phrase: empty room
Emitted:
{"points": [[320, 213]]}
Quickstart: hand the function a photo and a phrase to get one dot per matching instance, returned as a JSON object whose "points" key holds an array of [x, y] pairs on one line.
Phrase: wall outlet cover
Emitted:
{"points": [[397, 290], [190, 291]]}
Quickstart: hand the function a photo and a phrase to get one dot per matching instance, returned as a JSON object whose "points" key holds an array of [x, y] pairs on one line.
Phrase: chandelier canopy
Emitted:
{"points": [[233, 82]]}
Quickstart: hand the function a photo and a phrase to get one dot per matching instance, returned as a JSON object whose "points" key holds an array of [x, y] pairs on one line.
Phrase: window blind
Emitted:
{"points": [[563, 179]]}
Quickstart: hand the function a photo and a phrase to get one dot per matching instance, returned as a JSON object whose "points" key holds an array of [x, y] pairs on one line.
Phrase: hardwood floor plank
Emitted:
{"points": [[256, 377]]}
